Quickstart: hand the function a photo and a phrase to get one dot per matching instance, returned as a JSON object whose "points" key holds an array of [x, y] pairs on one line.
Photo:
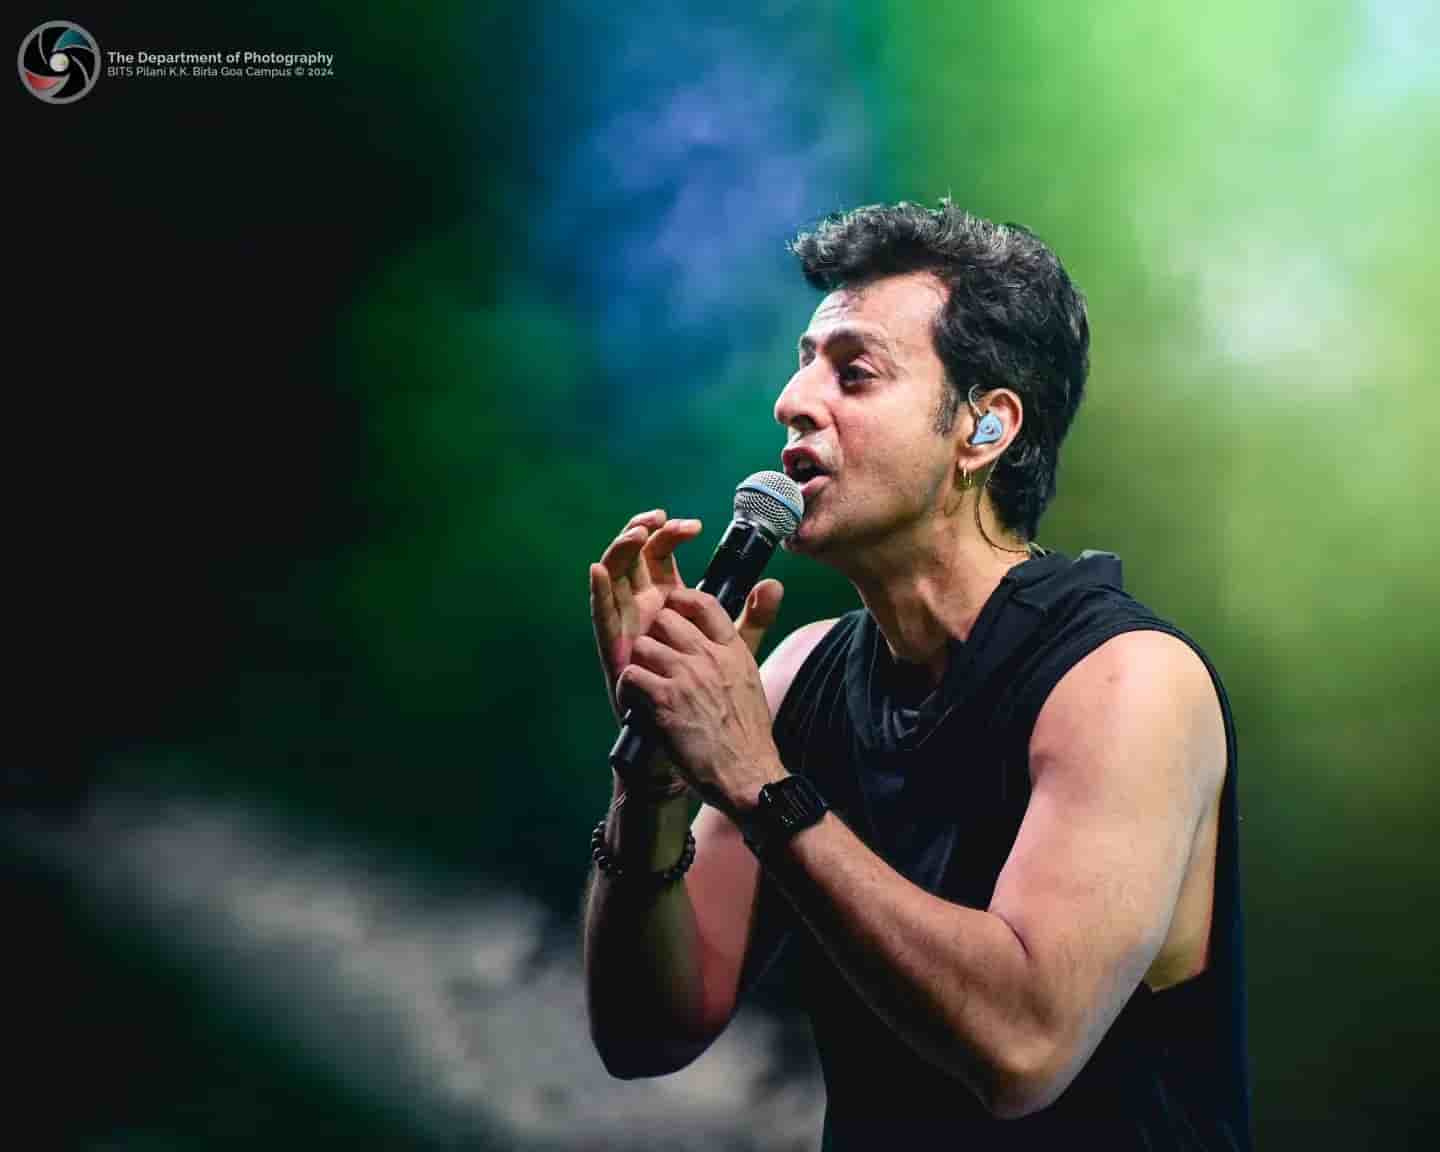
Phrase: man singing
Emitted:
{"points": [[993, 811]]}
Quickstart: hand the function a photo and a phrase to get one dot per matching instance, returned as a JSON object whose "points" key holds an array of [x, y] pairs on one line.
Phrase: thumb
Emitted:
{"points": [[762, 606]]}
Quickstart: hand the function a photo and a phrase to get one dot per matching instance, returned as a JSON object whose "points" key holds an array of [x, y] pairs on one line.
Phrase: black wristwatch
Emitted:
{"points": [[783, 808]]}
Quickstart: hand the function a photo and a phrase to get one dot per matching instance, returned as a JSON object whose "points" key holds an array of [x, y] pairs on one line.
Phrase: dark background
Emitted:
{"points": [[327, 390]]}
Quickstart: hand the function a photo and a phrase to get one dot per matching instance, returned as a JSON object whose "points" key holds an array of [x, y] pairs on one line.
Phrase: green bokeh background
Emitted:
{"points": [[336, 418]]}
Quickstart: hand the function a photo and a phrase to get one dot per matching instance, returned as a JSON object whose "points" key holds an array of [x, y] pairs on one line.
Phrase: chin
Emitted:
{"points": [[793, 545], [806, 541]]}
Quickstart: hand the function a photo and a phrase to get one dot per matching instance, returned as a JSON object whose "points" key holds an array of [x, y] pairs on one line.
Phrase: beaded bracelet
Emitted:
{"points": [[617, 871]]}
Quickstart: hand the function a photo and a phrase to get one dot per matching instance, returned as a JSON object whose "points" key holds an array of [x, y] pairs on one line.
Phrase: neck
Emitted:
{"points": [[924, 592]]}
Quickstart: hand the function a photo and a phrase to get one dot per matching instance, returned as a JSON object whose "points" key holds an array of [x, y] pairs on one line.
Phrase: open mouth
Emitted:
{"points": [[802, 464], [803, 470]]}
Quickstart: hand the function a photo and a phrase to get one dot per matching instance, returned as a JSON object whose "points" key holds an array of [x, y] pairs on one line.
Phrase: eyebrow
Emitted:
{"points": [[869, 338]]}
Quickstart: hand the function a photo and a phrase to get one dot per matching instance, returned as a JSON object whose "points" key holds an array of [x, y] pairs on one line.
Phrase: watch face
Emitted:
{"points": [[784, 808], [794, 802]]}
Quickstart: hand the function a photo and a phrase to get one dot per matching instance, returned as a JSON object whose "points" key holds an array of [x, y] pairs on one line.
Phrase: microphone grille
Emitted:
{"points": [[772, 501]]}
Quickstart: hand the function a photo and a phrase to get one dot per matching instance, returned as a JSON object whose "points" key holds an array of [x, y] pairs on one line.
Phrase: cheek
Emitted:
{"points": [[908, 472], [891, 455]]}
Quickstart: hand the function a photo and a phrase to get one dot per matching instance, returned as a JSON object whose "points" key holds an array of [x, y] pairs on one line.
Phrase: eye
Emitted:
{"points": [[854, 373]]}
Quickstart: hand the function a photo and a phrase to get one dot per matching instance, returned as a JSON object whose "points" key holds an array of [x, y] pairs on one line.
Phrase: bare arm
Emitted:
{"points": [[663, 969], [1126, 756]]}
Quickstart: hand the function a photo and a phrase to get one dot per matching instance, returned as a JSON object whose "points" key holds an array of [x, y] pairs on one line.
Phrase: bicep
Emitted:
{"points": [[1122, 764]]}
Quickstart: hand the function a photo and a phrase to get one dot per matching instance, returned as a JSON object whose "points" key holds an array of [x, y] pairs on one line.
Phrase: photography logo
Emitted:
{"points": [[59, 62]]}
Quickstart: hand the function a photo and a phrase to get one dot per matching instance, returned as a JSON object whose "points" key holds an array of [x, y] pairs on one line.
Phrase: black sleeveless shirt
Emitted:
{"points": [[938, 787]]}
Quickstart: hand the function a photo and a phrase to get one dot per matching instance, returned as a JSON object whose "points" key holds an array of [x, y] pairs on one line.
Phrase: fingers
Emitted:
{"points": [[703, 611], [656, 656], [658, 551], [671, 628], [602, 604], [655, 536], [638, 687], [651, 520], [622, 566], [762, 607], [640, 558], [620, 558]]}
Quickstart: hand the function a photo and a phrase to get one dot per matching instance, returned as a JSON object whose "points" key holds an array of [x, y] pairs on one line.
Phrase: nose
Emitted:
{"points": [[801, 405]]}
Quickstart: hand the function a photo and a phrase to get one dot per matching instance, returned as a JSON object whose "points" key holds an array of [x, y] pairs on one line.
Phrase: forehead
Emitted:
{"points": [[899, 310]]}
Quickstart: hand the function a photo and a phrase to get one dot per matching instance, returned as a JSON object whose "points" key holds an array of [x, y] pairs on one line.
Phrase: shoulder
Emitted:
{"points": [[784, 663], [1142, 691]]}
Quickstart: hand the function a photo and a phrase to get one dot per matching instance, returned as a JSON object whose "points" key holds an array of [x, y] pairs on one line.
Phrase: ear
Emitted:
{"points": [[1003, 406]]}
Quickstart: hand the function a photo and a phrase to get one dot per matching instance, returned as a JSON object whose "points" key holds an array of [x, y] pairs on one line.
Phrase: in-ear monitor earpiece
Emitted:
{"points": [[990, 429]]}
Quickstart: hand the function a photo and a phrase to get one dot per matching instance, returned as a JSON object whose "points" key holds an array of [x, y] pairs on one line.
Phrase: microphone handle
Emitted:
{"points": [[733, 571]]}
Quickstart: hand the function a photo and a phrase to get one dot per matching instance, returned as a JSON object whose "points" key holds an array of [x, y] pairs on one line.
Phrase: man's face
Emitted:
{"points": [[860, 413]]}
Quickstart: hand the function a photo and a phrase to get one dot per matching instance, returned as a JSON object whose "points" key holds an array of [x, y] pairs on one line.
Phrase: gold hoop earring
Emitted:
{"points": [[964, 478]]}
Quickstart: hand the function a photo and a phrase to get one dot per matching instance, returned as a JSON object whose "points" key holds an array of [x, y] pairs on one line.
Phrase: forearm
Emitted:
{"points": [[644, 988], [954, 983]]}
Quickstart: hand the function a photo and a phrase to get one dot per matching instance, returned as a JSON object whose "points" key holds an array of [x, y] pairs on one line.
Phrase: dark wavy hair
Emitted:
{"points": [[1012, 318]]}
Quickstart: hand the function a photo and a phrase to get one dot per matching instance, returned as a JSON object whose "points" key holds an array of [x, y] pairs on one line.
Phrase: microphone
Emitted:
{"points": [[768, 509]]}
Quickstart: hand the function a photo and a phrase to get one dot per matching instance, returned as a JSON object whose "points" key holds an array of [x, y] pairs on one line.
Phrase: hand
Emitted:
{"points": [[629, 585], [695, 672]]}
